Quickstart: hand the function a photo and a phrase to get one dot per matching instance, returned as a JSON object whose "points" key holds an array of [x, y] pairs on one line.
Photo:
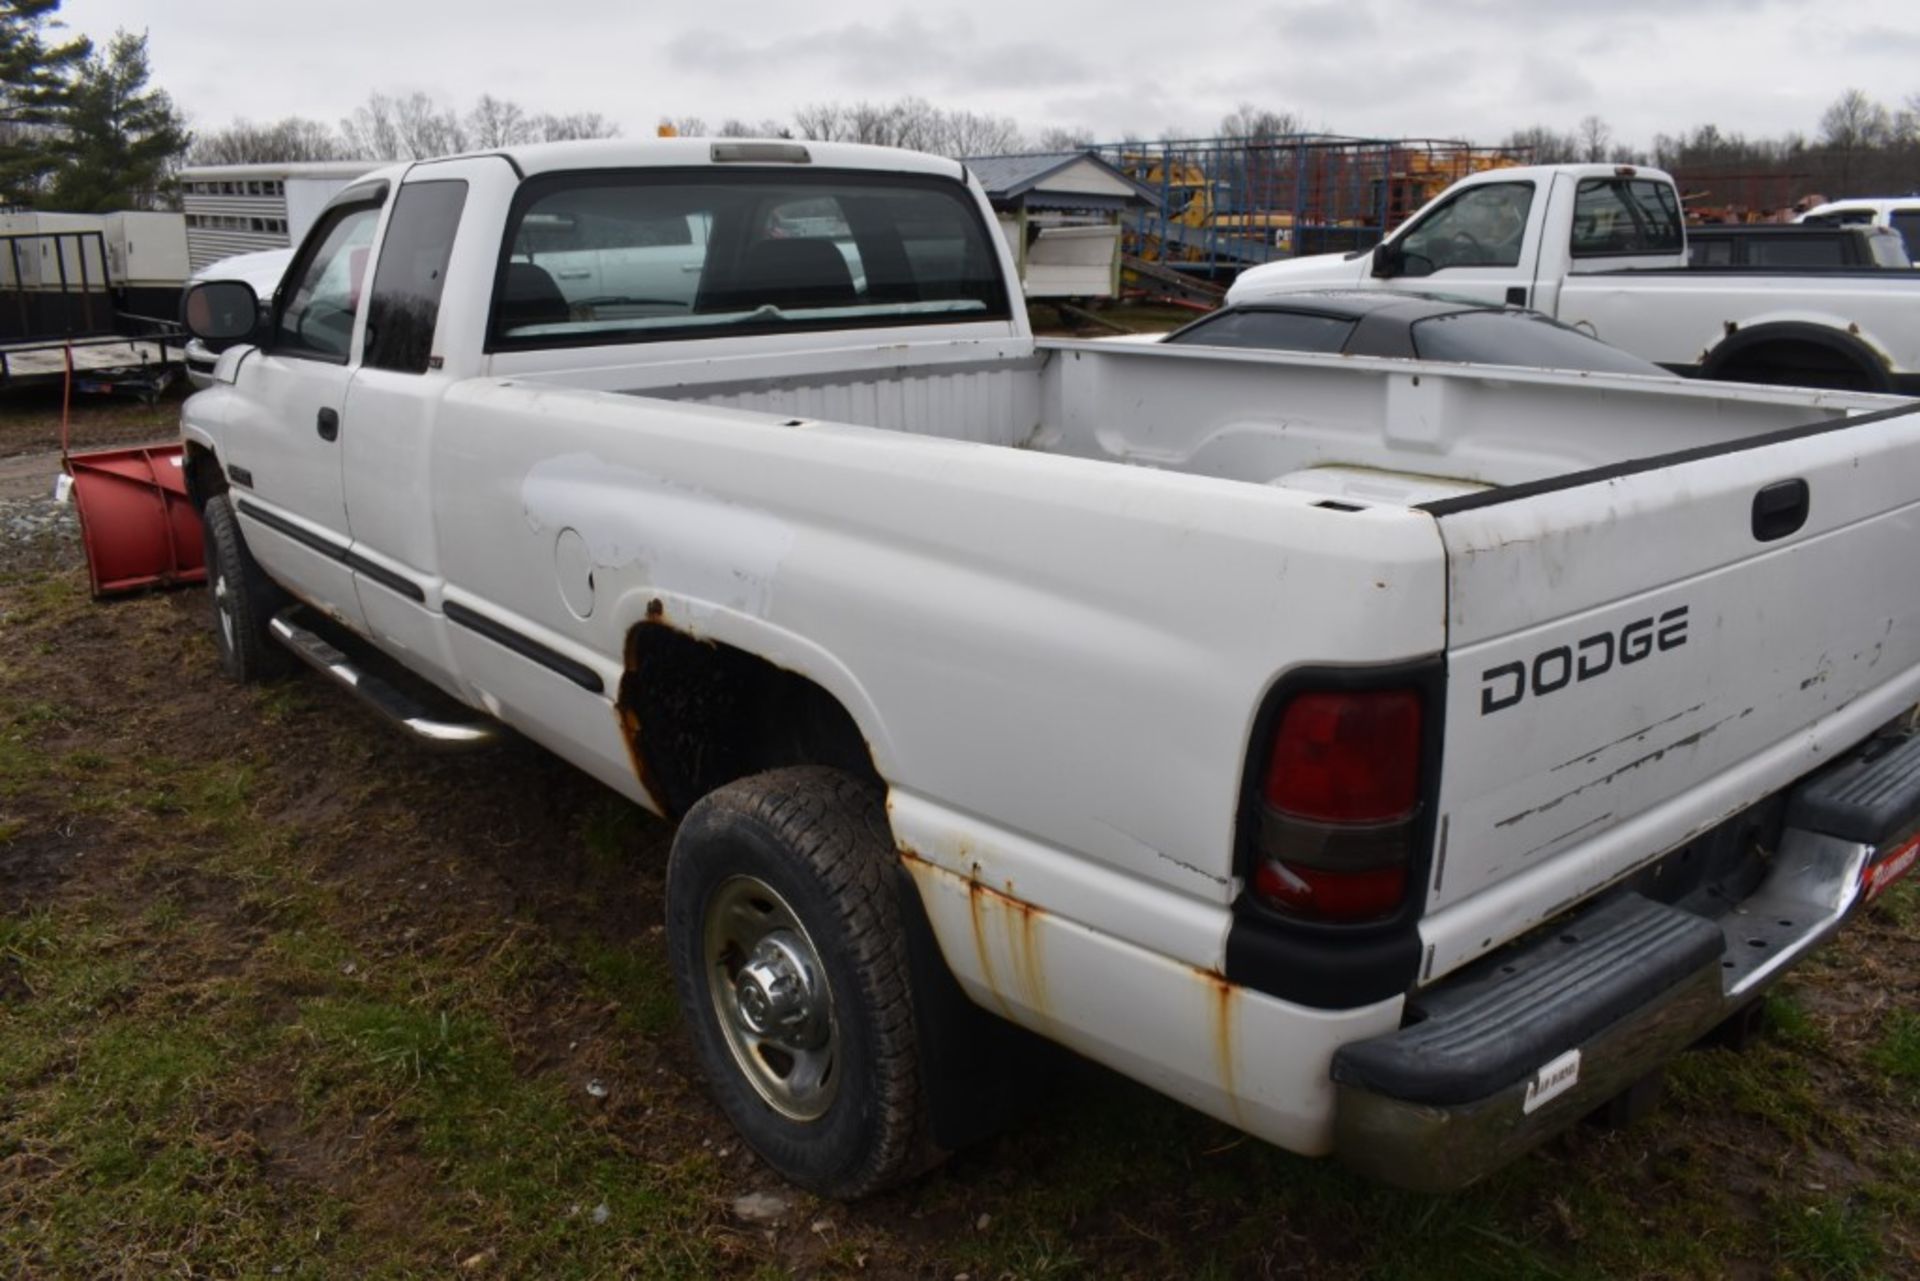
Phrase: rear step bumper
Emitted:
{"points": [[1514, 1050], [291, 628]]}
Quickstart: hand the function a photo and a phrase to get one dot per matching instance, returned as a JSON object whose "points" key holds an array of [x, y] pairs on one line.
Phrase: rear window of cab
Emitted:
{"points": [[663, 254]]}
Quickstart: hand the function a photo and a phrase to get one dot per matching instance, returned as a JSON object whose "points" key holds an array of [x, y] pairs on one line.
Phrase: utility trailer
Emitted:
{"points": [[60, 317]]}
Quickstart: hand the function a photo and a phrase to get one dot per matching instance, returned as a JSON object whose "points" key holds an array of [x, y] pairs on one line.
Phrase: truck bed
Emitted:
{"points": [[1352, 429]]}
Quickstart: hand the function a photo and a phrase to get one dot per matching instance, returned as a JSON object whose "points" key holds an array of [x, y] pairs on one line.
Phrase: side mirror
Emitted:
{"points": [[1388, 261], [220, 311]]}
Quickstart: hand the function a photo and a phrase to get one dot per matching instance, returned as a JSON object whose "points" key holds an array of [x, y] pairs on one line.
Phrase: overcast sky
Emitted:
{"points": [[1446, 68]]}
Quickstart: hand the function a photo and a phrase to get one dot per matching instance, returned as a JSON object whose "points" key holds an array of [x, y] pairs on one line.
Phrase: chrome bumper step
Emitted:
{"points": [[294, 627]]}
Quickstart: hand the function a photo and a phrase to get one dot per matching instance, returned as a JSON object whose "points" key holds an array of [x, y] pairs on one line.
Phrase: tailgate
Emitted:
{"points": [[1637, 652]]}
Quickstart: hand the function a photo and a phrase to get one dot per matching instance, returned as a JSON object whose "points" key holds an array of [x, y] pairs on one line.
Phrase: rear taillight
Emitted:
{"points": [[1337, 805]]}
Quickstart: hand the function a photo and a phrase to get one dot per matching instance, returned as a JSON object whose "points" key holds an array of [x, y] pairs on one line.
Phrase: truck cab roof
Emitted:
{"points": [[624, 153]]}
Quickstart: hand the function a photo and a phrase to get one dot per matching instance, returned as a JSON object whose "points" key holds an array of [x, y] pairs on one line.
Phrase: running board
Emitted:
{"points": [[411, 714]]}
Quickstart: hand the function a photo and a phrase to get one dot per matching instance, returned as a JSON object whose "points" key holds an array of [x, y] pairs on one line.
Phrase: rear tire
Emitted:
{"points": [[244, 600], [790, 957]]}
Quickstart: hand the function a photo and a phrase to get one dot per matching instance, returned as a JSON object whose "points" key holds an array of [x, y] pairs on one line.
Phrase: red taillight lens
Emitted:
{"points": [[1347, 758], [1332, 896], [1340, 794]]}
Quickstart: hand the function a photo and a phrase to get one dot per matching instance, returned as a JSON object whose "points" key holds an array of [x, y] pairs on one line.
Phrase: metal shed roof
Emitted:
{"points": [[1009, 178]]}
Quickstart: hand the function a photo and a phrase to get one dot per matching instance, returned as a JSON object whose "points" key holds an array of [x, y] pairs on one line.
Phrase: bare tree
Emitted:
{"points": [[733, 127], [417, 127], [496, 122], [1058, 139], [820, 120], [370, 131], [1906, 122], [1854, 122], [968, 133], [1547, 146], [282, 141], [910, 122], [572, 127], [1594, 136], [685, 126], [427, 129], [1259, 123]]}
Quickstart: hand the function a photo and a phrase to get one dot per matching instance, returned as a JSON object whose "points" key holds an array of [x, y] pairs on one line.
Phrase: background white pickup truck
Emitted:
{"points": [[1394, 759], [1603, 248]]}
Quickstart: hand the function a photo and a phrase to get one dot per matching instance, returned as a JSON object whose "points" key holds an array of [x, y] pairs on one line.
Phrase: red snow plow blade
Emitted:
{"points": [[136, 521]]}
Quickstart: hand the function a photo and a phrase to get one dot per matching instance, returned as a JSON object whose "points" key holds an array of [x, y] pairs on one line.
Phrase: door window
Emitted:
{"points": [[1481, 227], [412, 272], [316, 318]]}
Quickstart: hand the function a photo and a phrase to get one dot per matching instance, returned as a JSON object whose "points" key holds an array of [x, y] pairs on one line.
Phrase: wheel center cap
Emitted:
{"points": [[775, 990]]}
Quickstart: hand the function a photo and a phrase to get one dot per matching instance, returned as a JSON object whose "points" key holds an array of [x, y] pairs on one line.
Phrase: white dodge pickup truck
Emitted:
{"points": [[1603, 248], [1393, 759]]}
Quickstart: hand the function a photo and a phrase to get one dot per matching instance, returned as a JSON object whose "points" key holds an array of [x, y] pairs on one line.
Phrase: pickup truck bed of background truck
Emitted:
{"points": [[1230, 710], [1603, 248]]}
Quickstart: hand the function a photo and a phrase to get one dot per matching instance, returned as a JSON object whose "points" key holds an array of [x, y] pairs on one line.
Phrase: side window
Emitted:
{"points": [[1716, 251], [1907, 223], [405, 303], [1618, 217], [316, 318], [1796, 251], [1481, 227]]}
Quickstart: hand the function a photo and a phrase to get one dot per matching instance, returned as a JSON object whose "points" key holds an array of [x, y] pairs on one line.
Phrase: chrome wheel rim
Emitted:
{"points": [[771, 998], [223, 608]]}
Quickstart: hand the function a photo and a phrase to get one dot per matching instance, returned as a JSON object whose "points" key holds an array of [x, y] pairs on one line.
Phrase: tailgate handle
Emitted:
{"points": [[1780, 509]]}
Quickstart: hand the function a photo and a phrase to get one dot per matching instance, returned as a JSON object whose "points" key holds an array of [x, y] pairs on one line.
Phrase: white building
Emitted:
{"points": [[1060, 213], [238, 209]]}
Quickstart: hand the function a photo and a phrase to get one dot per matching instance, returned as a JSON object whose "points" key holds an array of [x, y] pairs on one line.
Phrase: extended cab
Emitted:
{"points": [[1393, 759], [1604, 248]]}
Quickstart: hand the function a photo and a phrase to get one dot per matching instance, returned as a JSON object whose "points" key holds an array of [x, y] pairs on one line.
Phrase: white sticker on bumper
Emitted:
{"points": [[1552, 1080]]}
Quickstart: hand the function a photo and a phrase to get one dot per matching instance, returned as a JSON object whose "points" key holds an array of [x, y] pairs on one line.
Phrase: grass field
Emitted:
{"points": [[280, 996]]}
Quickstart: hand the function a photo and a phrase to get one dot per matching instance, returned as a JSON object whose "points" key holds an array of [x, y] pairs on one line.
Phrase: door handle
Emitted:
{"points": [[329, 424], [1780, 509]]}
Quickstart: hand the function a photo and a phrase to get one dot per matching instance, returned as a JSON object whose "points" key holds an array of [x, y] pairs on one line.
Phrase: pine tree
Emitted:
{"points": [[122, 137], [36, 73]]}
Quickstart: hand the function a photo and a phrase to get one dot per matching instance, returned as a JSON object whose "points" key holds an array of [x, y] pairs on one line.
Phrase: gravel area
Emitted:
{"points": [[36, 531]]}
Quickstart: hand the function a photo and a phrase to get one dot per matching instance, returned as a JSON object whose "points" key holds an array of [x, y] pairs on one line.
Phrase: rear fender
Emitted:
{"points": [[1859, 348]]}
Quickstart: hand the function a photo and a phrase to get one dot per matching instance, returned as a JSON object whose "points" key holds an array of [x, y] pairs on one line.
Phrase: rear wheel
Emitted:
{"points": [[244, 600], [790, 958]]}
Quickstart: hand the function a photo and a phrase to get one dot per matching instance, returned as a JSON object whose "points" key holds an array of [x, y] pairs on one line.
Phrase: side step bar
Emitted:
{"points": [[408, 712]]}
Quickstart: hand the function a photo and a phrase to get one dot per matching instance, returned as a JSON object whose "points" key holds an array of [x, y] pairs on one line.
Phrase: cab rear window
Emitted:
{"points": [[654, 255], [1618, 217]]}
